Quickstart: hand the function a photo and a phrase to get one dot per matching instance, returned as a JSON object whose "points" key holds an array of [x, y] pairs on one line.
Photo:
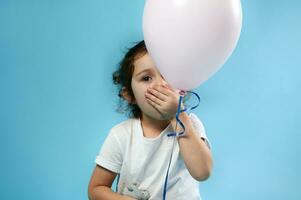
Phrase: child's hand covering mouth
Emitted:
{"points": [[181, 92], [164, 99]]}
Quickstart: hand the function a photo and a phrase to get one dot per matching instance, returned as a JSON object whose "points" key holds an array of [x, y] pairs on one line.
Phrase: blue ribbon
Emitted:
{"points": [[173, 134]]}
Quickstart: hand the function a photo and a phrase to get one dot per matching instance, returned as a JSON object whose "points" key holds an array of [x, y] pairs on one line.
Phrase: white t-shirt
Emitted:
{"points": [[143, 160]]}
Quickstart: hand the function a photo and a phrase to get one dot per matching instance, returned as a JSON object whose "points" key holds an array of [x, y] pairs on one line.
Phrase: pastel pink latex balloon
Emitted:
{"points": [[189, 40]]}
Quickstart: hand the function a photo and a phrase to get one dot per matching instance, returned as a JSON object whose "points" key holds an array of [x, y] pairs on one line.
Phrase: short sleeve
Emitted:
{"points": [[199, 127], [110, 154]]}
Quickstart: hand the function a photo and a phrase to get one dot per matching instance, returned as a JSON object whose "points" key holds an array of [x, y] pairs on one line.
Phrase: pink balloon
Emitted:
{"points": [[189, 40]]}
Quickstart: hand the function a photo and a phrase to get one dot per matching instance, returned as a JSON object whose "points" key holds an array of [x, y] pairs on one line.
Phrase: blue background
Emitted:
{"points": [[57, 98]]}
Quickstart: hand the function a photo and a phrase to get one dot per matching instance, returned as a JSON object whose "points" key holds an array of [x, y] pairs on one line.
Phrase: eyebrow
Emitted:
{"points": [[146, 70]]}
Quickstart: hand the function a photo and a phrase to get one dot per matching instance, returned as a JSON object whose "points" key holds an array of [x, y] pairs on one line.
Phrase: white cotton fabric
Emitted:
{"points": [[145, 160]]}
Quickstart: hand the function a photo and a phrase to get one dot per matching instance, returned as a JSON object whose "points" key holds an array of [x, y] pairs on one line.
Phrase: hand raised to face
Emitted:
{"points": [[163, 98]]}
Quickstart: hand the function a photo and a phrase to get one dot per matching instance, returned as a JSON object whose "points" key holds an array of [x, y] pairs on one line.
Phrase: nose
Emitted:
{"points": [[162, 81], [159, 81]]}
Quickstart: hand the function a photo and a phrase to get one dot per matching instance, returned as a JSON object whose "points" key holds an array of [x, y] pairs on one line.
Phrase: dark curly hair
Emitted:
{"points": [[122, 77]]}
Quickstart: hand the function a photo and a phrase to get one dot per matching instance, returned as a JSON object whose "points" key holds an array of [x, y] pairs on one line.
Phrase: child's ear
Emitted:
{"points": [[125, 94]]}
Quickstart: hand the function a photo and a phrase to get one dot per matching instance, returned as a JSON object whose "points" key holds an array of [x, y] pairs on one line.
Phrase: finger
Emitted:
{"points": [[155, 106], [163, 89], [154, 99], [167, 85], [169, 88], [158, 94]]}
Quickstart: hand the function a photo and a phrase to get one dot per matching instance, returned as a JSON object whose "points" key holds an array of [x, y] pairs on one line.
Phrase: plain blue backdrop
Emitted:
{"points": [[58, 102]]}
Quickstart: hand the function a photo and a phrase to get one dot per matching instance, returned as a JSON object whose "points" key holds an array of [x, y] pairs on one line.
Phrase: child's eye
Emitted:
{"points": [[146, 78]]}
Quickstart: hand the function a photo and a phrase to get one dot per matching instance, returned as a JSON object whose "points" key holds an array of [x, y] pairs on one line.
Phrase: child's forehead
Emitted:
{"points": [[144, 63]]}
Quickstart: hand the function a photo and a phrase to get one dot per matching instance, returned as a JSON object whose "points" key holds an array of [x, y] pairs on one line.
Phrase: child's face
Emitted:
{"points": [[144, 76]]}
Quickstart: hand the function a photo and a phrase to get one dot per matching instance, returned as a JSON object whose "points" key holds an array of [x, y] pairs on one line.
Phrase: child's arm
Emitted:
{"points": [[195, 153], [100, 186]]}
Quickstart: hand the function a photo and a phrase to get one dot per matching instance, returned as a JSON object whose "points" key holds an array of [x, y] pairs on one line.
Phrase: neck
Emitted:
{"points": [[153, 124]]}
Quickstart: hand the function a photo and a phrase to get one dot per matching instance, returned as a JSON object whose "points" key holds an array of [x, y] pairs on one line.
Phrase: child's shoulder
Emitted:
{"points": [[196, 121], [123, 126], [193, 116]]}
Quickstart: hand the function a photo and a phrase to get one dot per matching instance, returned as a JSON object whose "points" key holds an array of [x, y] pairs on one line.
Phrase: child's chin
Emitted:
{"points": [[157, 116]]}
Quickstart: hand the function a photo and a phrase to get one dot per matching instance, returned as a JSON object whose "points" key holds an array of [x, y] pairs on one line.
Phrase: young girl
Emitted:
{"points": [[138, 149]]}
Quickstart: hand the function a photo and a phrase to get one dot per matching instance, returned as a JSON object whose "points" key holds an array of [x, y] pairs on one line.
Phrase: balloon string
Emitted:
{"points": [[172, 134]]}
